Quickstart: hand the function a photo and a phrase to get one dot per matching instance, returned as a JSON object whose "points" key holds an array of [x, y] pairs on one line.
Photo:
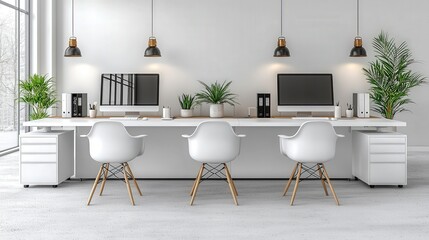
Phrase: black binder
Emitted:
{"points": [[79, 102], [260, 105], [267, 105]]}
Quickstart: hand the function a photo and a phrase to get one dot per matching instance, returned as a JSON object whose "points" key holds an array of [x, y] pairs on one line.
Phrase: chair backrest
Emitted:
{"points": [[109, 142], [214, 142], [314, 142]]}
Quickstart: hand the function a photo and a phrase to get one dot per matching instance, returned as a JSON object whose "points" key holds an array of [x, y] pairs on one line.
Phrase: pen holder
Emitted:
{"points": [[337, 112], [166, 113], [92, 113]]}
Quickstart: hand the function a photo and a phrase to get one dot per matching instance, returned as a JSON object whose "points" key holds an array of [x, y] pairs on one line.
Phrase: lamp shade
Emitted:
{"points": [[281, 50], [358, 50], [72, 50], [152, 50]]}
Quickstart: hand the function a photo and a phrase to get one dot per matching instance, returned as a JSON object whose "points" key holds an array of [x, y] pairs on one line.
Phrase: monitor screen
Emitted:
{"points": [[305, 90], [129, 90]]}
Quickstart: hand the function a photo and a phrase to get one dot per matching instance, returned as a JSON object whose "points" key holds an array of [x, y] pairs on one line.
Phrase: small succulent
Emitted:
{"points": [[187, 101]]}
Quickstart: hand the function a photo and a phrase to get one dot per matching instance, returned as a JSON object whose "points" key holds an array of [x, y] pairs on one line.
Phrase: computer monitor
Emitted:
{"points": [[129, 93], [304, 93]]}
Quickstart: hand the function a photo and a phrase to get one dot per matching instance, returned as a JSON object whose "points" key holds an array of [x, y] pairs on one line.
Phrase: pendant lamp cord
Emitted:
{"points": [[152, 18], [72, 18], [357, 14], [281, 17]]}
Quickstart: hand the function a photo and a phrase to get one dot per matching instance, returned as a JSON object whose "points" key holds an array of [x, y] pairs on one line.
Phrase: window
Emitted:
{"points": [[14, 66]]}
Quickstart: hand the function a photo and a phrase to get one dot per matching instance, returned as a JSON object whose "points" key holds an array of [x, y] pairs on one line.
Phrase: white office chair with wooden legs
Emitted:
{"points": [[214, 144], [314, 143], [110, 143]]}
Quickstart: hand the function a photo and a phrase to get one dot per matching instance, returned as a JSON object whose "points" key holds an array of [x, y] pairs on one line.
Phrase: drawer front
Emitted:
{"points": [[34, 148], [38, 140], [387, 158], [388, 174], [387, 148], [38, 173], [387, 140], [39, 158]]}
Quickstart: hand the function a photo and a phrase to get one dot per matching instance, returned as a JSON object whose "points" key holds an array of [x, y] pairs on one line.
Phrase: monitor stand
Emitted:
{"points": [[304, 114]]}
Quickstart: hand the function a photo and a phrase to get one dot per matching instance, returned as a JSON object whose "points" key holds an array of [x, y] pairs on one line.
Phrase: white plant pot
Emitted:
{"points": [[186, 113], [216, 110], [337, 113], [349, 113]]}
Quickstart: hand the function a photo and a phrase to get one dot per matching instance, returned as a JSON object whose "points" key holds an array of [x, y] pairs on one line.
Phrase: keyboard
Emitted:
{"points": [[124, 118], [311, 118]]}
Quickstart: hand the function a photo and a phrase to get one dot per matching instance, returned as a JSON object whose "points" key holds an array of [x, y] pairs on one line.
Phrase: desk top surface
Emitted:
{"points": [[236, 122]]}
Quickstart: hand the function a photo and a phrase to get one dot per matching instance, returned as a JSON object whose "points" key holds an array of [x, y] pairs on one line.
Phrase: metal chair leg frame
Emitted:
{"points": [[194, 192], [322, 179], [95, 185], [105, 173], [130, 193], [134, 179], [330, 185], [292, 175], [296, 184]]}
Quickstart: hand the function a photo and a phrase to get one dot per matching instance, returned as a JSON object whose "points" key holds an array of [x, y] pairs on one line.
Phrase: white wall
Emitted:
{"points": [[234, 40]]}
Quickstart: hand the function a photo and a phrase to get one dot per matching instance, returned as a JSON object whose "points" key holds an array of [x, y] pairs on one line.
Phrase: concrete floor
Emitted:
{"points": [[163, 211]]}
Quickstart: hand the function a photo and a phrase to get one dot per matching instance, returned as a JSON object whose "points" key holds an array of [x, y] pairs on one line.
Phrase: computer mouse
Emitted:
{"points": [[144, 118]]}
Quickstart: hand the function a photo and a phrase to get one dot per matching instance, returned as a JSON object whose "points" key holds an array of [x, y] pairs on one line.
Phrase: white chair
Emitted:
{"points": [[214, 143], [110, 143], [314, 143]]}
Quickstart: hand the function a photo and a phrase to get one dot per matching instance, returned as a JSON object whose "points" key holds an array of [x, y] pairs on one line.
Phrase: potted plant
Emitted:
{"points": [[38, 91], [216, 94], [390, 76], [187, 103], [349, 111]]}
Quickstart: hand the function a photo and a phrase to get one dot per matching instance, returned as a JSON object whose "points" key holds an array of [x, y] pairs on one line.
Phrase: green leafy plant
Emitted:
{"points": [[38, 91], [187, 101], [390, 77], [216, 93]]}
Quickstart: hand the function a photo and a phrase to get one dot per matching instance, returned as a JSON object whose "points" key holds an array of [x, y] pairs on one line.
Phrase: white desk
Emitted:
{"points": [[166, 154]]}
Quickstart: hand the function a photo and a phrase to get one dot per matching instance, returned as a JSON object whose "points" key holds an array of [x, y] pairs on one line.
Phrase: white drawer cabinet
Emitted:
{"points": [[380, 158], [46, 158]]}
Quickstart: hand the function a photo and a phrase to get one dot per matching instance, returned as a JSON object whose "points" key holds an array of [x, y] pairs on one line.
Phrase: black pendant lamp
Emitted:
{"points": [[152, 50], [72, 50], [357, 50], [281, 50]]}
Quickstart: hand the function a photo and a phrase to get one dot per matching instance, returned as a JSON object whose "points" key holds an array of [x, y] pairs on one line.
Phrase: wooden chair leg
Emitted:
{"points": [[105, 173], [130, 193], [95, 185], [134, 179], [196, 179], [194, 193], [322, 179], [296, 184], [330, 185], [292, 175], [230, 183]]}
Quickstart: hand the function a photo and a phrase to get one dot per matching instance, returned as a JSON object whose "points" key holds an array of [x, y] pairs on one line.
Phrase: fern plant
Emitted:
{"points": [[39, 92], [390, 77], [216, 93], [187, 101]]}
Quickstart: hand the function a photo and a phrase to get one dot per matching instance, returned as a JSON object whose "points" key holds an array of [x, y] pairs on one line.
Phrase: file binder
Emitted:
{"points": [[66, 105], [260, 105], [79, 104], [267, 105], [361, 103]]}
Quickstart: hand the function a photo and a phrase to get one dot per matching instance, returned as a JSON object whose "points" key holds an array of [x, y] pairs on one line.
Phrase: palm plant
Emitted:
{"points": [[39, 92], [187, 101], [390, 77], [216, 93]]}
